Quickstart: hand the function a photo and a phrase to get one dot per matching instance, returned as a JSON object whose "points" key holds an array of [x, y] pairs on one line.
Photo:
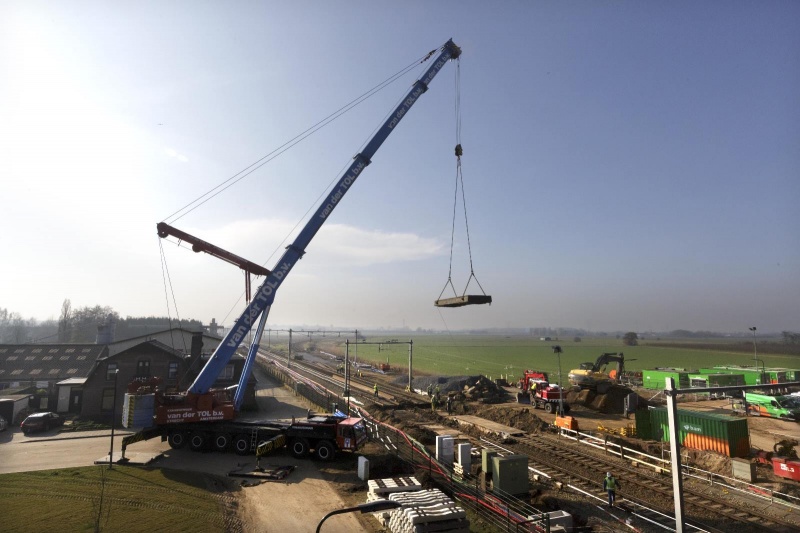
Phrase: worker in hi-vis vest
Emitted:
{"points": [[610, 485]]}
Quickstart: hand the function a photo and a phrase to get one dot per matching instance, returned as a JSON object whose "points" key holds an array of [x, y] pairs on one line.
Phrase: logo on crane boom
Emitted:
{"points": [[262, 297]]}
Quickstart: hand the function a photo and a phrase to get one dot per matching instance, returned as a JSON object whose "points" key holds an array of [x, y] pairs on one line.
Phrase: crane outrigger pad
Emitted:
{"points": [[460, 301]]}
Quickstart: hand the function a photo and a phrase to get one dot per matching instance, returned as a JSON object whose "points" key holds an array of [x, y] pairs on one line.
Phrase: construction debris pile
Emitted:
{"points": [[470, 388], [422, 510], [611, 402]]}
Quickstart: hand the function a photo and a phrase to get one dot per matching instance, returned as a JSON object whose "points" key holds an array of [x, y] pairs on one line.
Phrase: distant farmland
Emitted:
{"points": [[497, 356]]}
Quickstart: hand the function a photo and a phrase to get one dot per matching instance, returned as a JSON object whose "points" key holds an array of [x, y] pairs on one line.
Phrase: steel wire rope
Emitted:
{"points": [[459, 180], [202, 199], [315, 202], [166, 278], [291, 143]]}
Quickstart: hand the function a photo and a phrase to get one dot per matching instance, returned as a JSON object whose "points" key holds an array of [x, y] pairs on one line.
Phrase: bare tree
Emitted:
{"points": [[17, 332], [65, 321]]}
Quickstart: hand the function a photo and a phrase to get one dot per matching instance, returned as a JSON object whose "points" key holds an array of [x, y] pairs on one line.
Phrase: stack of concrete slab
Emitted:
{"points": [[427, 511], [422, 511], [381, 488]]}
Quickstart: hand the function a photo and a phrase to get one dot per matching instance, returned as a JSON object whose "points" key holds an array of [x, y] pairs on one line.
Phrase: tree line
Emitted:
{"points": [[80, 325]]}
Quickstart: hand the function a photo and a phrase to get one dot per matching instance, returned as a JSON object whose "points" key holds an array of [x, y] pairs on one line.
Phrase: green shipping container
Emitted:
{"points": [[752, 376], [777, 375], [702, 381], [644, 430], [657, 378], [704, 431], [715, 380], [790, 373]]}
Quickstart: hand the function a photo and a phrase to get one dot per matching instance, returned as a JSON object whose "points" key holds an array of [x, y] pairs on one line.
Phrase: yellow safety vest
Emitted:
{"points": [[611, 483]]}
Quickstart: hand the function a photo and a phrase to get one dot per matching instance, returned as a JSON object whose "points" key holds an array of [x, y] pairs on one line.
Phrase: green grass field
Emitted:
{"points": [[98, 499], [498, 356]]}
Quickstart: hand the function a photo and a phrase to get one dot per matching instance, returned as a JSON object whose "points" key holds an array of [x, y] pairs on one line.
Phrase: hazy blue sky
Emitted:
{"points": [[628, 165]]}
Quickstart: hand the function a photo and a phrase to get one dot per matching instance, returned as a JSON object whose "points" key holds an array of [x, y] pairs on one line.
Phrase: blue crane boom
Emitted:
{"points": [[259, 306]]}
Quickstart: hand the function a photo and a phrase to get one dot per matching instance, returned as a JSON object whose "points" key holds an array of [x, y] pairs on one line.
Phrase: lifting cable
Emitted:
{"points": [[194, 204], [463, 299], [191, 206], [168, 281]]}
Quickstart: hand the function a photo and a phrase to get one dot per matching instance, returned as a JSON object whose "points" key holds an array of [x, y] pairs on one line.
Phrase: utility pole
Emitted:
{"points": [[557, 350], [755, 354]]}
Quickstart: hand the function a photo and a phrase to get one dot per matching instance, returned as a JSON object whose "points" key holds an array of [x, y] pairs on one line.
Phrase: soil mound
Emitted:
{"points": [[611, 402]]}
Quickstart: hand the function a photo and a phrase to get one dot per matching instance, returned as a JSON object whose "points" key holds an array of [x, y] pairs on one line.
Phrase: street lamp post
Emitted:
{"points": [[557, 350], [371, 507], [113, 418], [755, 354]]}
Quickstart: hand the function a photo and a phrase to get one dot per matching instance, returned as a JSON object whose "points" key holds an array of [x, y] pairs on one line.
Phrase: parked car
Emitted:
{"points": [[3, 424], [41, 422]]}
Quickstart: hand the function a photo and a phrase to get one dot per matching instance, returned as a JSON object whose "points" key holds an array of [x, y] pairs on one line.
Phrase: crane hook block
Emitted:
{"points": [[461, 301], [459, 150]]}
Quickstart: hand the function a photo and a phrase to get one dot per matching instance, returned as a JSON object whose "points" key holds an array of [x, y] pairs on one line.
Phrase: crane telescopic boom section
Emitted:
{"points": [[263, 298]]}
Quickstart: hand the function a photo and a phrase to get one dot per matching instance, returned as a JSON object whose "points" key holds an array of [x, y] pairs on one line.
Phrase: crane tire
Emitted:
{"points": [[241, 444], [198, 441], [177, 440], [299, 447], [222, 441], [325, 450]]}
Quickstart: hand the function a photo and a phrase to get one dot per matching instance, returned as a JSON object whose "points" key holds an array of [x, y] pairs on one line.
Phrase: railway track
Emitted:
{"points": [[648, 496], [360, 387], [648, 499]]}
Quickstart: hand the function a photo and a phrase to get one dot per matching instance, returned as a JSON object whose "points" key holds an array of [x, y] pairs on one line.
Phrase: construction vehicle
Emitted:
{"points": [[530, 376], [593, 375], [542, 395], [204, 416]]}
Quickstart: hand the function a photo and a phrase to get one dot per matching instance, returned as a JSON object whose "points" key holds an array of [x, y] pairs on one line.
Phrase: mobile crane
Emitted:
{"points": [[203, 415]]}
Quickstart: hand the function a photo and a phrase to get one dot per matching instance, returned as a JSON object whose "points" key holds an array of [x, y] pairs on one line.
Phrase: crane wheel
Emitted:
{"points": [[241, 444], [198, 441], [222, 442], [325, 451], [177, 440], [299, 448], [548, 408]]}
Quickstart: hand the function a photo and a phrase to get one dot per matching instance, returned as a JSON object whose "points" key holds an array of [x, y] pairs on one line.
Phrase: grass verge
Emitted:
{"points": [[120, 499]]}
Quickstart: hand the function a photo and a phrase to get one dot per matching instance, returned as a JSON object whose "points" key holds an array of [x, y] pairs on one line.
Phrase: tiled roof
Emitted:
{"points": [[47, 362], [157, 333]]}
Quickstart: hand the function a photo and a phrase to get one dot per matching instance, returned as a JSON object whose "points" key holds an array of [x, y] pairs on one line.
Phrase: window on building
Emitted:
{"points": [[143, 368], [227, 372], [173, 371], [110, 369], [107, 402]]}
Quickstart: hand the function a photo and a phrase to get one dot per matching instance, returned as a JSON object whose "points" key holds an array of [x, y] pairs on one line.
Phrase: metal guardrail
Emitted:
{"points": [[664, 465]]}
